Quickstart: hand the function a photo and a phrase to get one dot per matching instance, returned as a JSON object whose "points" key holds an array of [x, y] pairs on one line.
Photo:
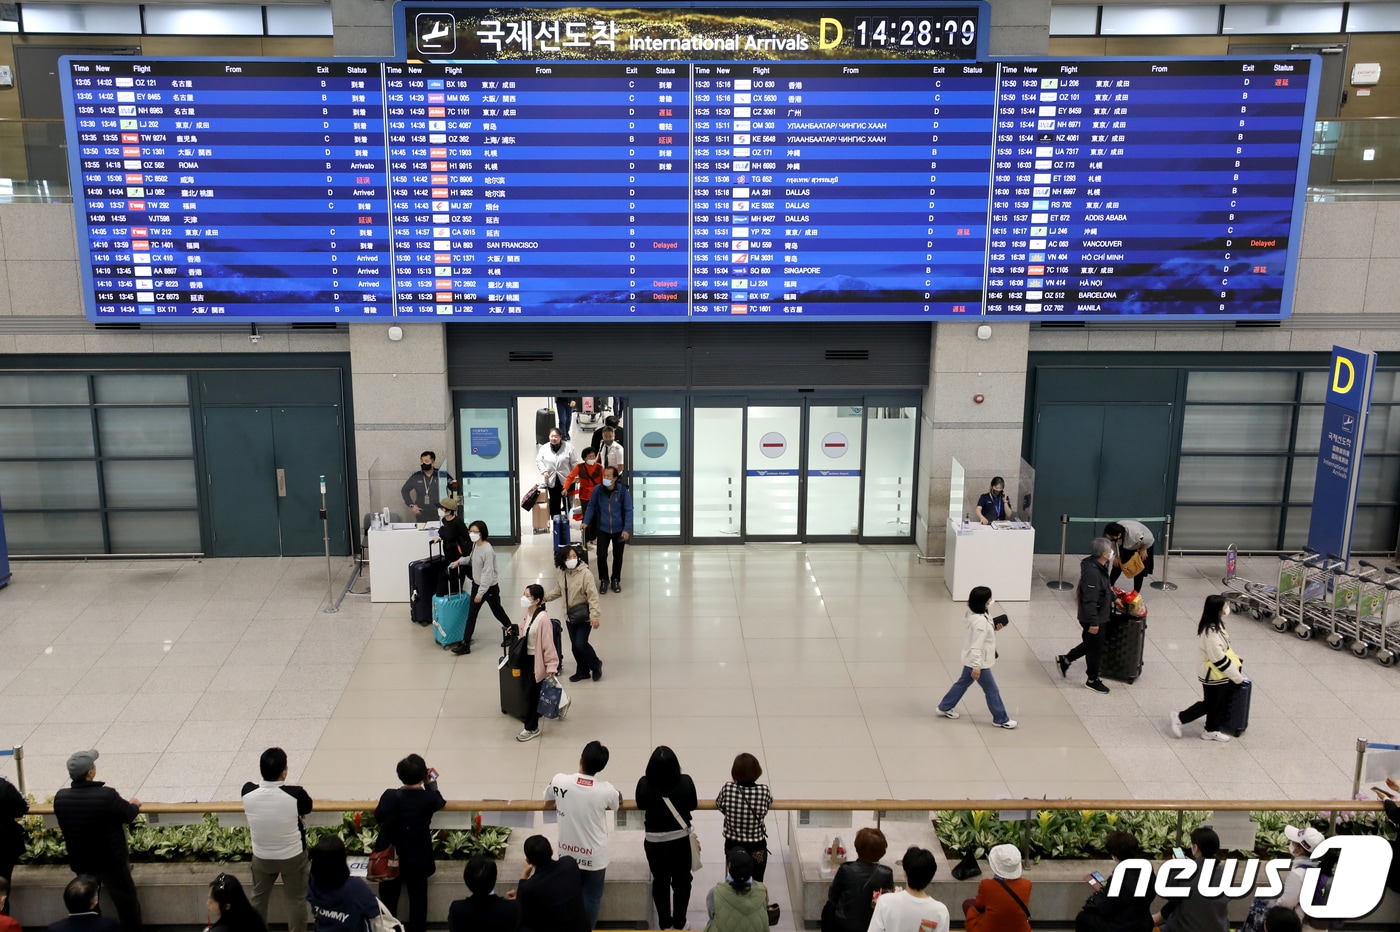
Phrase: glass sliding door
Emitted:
{"points": [[717, 485], [484, 462], [834, 442], [654, 470], [889, 471], [773, 463]]}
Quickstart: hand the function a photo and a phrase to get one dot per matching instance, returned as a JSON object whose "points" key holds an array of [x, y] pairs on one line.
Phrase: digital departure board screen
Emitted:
{"points": [[670, 190]]}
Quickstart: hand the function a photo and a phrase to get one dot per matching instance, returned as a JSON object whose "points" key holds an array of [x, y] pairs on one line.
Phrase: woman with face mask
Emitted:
{"points": [[456, 545], [542, 660], [1220, 667], [587, 475], [485, 584], [555, 461], [574, 583]]}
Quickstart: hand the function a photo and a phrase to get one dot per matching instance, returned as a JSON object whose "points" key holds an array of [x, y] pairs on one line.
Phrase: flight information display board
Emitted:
{"points": [[610, 190]]}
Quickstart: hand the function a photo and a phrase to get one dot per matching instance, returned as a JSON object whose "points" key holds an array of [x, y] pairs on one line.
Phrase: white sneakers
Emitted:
{"points": [[951, 713], [1214, 736], [526, 734], [1009, 724], [1175, 724]]}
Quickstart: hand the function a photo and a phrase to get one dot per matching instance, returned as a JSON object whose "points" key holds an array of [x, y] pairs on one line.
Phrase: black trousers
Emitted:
{"points": [[758, 850], [1149, 564], [491, 597], [584, 654], [606, 541], [116, 880], [416, 886], [670, 880], [533, 688], [556, 498], [1211, 705], [1090, 647]]}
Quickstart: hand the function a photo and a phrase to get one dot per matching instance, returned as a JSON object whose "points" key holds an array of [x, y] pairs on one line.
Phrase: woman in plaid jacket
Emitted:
{"points": [[745, 803]]}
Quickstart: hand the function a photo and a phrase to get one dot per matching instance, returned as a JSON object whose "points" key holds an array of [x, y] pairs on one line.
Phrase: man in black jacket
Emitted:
{"points": [[550, 891], [80, 899], [92, 817], [13, 805], [1095, 598]]}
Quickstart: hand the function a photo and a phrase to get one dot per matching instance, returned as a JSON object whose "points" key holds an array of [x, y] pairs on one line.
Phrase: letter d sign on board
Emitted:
{"points": [[825, 41], [1342, 368]]}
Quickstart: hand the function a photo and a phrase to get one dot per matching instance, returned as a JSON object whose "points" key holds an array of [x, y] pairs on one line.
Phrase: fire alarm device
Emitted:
{"points": [[1366, 74]]}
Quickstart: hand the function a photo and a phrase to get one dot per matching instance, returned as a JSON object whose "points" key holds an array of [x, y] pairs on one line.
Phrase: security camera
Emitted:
{"points": [[984, 332]]}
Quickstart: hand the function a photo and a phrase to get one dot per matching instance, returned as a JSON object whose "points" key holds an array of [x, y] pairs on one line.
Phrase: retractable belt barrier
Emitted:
{"points": [[1165, 520]]}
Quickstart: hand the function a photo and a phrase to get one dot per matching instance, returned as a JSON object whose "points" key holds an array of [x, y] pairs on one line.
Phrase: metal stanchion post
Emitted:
{"points": [[1064, 536], [1164, 584], [19, 769], [1355, 781], [326, 536]]}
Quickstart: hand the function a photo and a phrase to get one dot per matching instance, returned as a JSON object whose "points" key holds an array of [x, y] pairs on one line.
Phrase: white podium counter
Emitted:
{"points": [[979, 555], [391, 549]]}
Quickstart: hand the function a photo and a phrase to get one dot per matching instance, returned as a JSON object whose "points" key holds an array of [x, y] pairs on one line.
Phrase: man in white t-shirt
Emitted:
{"points": [[583, 802], [912, 910]]}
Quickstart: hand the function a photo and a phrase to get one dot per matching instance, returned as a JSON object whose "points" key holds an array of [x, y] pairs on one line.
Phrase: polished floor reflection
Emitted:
{"points": [[825, 661]]}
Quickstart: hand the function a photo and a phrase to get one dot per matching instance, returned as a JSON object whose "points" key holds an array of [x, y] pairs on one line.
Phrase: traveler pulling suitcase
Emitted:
{"points": [[423, 576], [514, 699], [1125, 639], [450, 616], [544, 423], [1234, 718], [539, 517]]}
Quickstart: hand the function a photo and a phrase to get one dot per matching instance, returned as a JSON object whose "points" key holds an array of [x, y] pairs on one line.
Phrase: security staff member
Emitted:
{"points": [[994, 505], [423, 490]]}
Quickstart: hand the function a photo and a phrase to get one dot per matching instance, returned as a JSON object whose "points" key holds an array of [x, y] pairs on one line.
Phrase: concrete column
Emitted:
{"points": [[985, 437], [402, 403], [363, 28]]}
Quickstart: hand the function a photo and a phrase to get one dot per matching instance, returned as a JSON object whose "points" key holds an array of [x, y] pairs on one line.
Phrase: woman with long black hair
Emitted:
{"points": [[668, 798], [1220, 666]]}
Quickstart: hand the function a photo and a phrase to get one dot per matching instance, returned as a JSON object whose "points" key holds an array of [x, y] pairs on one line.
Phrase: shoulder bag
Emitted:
{"points": [[577, 614], [1007, 887], [384, 921], [695, 862], [519, 652]]}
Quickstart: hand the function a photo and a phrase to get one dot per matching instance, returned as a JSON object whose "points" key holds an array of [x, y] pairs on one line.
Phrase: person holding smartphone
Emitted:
{"points": [[1122, 913], [978, 654], [994, 505]]}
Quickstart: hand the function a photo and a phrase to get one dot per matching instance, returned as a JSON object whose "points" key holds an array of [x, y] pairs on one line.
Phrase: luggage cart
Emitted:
{"points": [[1376, 636], [1337, 614], [1302, 590]]}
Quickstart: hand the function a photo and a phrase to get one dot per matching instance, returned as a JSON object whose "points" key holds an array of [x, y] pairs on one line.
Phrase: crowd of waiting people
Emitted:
{"points": [[561, 886]]}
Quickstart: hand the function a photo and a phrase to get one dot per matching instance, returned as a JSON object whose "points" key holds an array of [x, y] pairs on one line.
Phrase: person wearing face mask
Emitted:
{"points": [[1220, 666], [555, 461], [542, 660], [611, 509], [456, 545], [587, 475], [423, 490], [485, 584], [574, 583], [993, 505]]}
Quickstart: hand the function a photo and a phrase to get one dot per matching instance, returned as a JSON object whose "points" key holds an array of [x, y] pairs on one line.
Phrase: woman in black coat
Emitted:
{"points": [[404, 815], [667, 842], [12, 837], [850, 901]]}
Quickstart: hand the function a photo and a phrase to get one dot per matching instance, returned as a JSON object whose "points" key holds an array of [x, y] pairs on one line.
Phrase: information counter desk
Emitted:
{"points": [[980, 555], [391, 549]]}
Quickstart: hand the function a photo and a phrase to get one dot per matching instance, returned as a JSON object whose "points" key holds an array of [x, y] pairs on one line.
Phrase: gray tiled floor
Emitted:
{"points": [[826, 661]]}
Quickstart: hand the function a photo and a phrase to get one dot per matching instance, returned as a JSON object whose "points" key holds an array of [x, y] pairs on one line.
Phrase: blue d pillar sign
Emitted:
{"points": [[1339, 455]]}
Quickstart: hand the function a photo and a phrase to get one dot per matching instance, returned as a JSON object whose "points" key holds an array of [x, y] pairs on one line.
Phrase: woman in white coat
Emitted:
{"points": [[978, 655], [555, 461]]}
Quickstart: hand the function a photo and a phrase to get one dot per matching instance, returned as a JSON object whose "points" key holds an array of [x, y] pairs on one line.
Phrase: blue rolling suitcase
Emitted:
{"points": [[450, 617], [1234, 718]]}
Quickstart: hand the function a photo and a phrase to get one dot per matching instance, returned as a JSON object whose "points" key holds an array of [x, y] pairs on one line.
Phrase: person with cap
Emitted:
{"points": [[1095, 597], [1002, 903], [92, 817], [1301, 842], [456, 545], [1130, 539], [423, 490], [80, 899]]}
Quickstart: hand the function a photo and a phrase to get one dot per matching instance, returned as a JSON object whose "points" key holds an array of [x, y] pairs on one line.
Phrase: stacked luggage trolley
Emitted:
{"points": [[1328, 598]]}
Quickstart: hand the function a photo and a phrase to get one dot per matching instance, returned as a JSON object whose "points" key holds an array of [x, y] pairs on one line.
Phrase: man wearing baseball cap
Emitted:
{"points": [[92, 817], [1301, 841]]}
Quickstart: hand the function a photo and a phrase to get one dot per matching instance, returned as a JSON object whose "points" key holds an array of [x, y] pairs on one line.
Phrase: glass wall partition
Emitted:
{"points": [[654, 469], [835, 446], [100, 462], [717, 486], [773, 474]]}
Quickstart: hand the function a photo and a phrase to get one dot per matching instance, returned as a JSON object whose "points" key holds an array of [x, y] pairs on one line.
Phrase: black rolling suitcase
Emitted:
{"points": [[1124, 640], [1234, 718], [513, 695], [423, 577], [544, 423]]}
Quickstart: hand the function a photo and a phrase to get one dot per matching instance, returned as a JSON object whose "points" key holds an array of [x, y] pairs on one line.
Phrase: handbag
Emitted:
{"points": [[577, 614], [527, 501], [518, 655], [384, 921], [966, 868], [1007, 887], [552, 699], [1134, 566], [695, 863], [383, 864], [775, 912]]}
